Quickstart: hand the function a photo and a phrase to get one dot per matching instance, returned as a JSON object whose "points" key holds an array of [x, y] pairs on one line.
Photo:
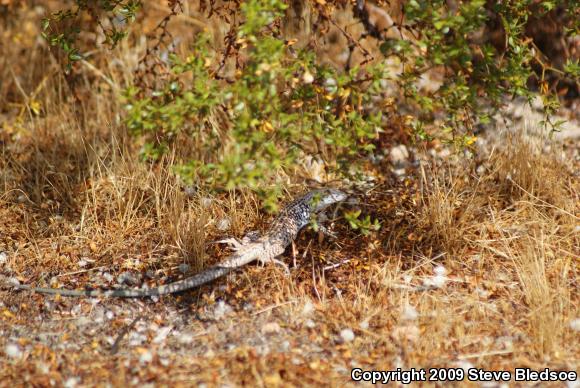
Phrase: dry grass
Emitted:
{"points": [[73, 189]]}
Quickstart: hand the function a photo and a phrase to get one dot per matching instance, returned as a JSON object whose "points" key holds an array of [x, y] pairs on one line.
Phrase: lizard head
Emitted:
{"points": [[321, 199]]}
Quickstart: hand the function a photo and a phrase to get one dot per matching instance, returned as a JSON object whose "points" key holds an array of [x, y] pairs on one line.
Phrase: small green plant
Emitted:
{"points": [[364, 225], [477, 76], [61, 29]]}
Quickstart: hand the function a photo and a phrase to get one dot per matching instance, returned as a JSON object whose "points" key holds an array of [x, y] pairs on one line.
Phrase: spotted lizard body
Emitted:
{"points": [[266, 248]]}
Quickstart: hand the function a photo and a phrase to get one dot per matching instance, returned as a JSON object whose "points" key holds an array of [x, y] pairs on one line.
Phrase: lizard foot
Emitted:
{"points": [[236, 245], [326, 231], [232, 242], [277, 262]]}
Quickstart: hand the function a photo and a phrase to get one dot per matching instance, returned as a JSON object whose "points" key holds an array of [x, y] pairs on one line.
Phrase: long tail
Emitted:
{"points": [[210, 274]]}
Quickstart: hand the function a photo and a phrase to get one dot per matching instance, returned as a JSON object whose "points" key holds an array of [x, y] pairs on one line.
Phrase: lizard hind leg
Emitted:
{"points": [[272, 260], [327, 232]]}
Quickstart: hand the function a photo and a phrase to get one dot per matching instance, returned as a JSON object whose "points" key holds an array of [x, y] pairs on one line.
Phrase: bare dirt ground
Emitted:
{"points": [[475, 265]]}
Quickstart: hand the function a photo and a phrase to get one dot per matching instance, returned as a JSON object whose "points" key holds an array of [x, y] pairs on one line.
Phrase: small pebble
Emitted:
{"points": [[108, 277], [185, 338], [439, 281], [206, 202], [146, 357], [271, 328], [190, 191], [409, 313], [13, 351], [285, 346], [162, 334], [575, 324], [221, 309], [440, 270], [71, 382], [3, 257], [307, 77], [347, 335], [399, 155], [308, 308], [223, 224]]}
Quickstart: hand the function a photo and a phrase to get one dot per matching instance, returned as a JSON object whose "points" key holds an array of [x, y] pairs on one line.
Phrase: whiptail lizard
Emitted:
{"points": [[266, 248]]}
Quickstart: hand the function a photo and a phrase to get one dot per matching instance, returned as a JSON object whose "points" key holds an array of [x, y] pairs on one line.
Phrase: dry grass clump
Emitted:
{"points": [[527, 166], [450, 205], [512, 228]]}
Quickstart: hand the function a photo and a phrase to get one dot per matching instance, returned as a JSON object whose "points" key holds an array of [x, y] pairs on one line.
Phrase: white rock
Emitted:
{"points": [[206, 202], [72, 382], [440, 270], [575, 324], [285, 346], [108, 277], [399, 154], [364, 325], [146, 357], [3, 257], [271, 328], [162, 334], [399, 172], [223, 224], [307, 77], [76, 310], [190, 191], [221, 309], [136, 339], [347, 335], [185, 338], [409, 313], [308, 308], [438, 281], [13, 351]]}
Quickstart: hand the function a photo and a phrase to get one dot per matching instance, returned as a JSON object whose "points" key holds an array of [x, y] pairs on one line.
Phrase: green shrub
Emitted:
{"points": [[283, 105], [279, 107]]}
